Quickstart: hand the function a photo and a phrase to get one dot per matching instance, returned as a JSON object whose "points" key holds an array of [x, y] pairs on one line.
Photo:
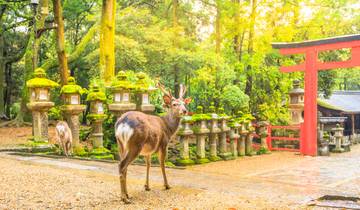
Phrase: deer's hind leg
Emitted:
{"points": [[131, 155], [162, 156], [148, 164]]}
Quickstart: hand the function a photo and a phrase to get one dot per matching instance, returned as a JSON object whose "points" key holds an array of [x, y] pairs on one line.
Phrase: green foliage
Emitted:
{"points": [[55, 113], [234, 99]]}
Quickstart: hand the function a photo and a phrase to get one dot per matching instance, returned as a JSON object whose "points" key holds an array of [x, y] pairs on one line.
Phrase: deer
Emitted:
{"points": [[64, 137], [138, 133]]}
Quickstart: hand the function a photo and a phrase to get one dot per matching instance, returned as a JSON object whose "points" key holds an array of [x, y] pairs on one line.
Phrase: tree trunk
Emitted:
{"points": [[218, 27], [60, 42], [107, 40], [8, 89], [248, 88], [175, 5], [31, 60]]}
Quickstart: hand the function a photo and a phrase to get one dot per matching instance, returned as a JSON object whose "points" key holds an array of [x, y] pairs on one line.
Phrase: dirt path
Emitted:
{"points": [[276, 181]]}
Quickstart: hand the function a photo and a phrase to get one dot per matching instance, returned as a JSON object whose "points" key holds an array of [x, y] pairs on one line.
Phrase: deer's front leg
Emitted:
{"points": [[162, 155], [148, 164]]}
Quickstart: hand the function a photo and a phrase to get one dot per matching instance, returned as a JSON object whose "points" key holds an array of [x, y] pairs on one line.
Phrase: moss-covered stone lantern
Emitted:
{"points": [[144, 90], [247, 119], [263, 135], [201, 131], [97, 115], [214, 131], [39, 88], [121, 89], [223, 118], [185, 133], [72, 107], [234, 136]]}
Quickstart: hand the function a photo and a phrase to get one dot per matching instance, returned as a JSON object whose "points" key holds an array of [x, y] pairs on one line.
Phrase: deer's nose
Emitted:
{"points": [[184, 111]]}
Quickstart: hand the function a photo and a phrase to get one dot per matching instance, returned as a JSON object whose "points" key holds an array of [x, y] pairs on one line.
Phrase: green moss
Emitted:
{"points": [[40, 81], [35, 143], [202, 161], [92, 117], [227, 156], [326, 105], [100, 151], [72, 87], [95, 94], [121, 82], [103, 157], [214, 158], [184, 162], [200, 117], [187, 119], [79, 151], [169, 164]]}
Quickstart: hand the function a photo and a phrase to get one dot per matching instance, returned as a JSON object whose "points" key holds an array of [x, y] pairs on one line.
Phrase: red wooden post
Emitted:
{"points": [[268, 138], [310, 118]]}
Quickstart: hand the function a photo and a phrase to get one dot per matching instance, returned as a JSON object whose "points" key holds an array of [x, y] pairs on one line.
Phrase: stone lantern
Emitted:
{"points": [[223, 118], [263, 134], [39, 104], [214, 131], [144, 90], [121, 89], [185, 133], [201, 131], [296, 104], [249, 139], [338, 138], [97, 115], [72, 107], [234, 136]]}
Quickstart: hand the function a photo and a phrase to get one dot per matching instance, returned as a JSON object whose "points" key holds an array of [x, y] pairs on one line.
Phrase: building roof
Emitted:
{"points": [[345, 101]]}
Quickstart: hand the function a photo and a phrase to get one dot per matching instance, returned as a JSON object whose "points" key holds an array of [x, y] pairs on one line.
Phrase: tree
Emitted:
{"points": [[107, 40]]}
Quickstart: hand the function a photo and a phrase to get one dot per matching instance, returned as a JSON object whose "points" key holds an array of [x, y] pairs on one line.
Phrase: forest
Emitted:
{"points": [[219, 49]]}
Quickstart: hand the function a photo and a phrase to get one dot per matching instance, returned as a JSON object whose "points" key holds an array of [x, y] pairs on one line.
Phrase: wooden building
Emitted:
{"points": [[343, 104]]}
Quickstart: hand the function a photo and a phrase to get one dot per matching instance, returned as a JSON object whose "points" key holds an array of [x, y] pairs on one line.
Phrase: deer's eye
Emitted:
{"points": [[174, 104]]}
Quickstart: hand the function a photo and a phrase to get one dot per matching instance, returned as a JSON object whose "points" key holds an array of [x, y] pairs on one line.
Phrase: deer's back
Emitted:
{"points": [[147, 131]]}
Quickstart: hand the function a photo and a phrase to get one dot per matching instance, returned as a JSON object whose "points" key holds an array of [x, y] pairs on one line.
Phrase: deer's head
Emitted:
{"points": [[176, 105]]}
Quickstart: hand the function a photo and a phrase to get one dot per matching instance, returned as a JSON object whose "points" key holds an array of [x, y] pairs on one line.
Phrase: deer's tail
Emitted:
{"points": [[123, 133]]}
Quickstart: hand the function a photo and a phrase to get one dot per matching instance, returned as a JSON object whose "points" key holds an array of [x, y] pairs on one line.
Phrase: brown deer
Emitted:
{"points": [[64, 137], [142, 134]]}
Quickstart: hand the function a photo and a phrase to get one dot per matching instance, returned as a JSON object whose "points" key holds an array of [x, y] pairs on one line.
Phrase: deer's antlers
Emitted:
{"points": [[182, 91], [163, 89]]}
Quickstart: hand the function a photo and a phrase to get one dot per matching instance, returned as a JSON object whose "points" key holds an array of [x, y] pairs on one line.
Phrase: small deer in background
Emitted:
{"points": [[142, 134], [64, 137]]}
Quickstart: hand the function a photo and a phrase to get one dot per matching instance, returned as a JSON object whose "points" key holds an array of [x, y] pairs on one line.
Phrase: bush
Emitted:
{"points": [[55, 113]]}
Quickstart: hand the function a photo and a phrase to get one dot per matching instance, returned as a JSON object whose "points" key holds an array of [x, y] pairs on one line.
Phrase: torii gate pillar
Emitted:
{"points": [[311, 49]]}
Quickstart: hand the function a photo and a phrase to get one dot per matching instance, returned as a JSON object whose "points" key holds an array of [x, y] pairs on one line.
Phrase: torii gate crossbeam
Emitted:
{"points": [[311, 66]]}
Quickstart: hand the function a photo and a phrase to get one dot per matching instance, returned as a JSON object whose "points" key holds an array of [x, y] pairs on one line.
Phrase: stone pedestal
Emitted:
{"points": [[234, 137], [72, 113], [97, 134], [214, 131], [185, 132], [200, 142], [263, 135], [119, 109], [40, 119], [241, 143], [224, 154]]}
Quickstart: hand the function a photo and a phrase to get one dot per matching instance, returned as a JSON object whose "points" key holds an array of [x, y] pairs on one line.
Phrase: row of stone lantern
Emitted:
{"points": [[217, 128], [122, 91]]}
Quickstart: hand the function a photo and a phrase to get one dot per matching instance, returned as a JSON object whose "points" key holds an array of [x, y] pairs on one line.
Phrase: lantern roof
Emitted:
{"points": [[72, 87], [121, 82], [95, 94], [297, 90], [40, 80], [142, 84]]}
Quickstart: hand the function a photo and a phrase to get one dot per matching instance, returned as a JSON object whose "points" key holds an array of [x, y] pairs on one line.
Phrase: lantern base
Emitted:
{"points": [[72, 109], [147, 107], [40, 106]]}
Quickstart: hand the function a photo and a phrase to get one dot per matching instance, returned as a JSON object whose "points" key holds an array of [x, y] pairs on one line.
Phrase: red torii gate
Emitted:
{"points": [[311, 66]]}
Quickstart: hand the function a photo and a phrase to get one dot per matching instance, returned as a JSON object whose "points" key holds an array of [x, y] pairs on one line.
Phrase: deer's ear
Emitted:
{"points": [[167, 99], [187, 100]]}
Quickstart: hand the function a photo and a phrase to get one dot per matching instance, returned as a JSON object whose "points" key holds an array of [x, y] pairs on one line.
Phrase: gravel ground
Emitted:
{"points": [[26, 185]]}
